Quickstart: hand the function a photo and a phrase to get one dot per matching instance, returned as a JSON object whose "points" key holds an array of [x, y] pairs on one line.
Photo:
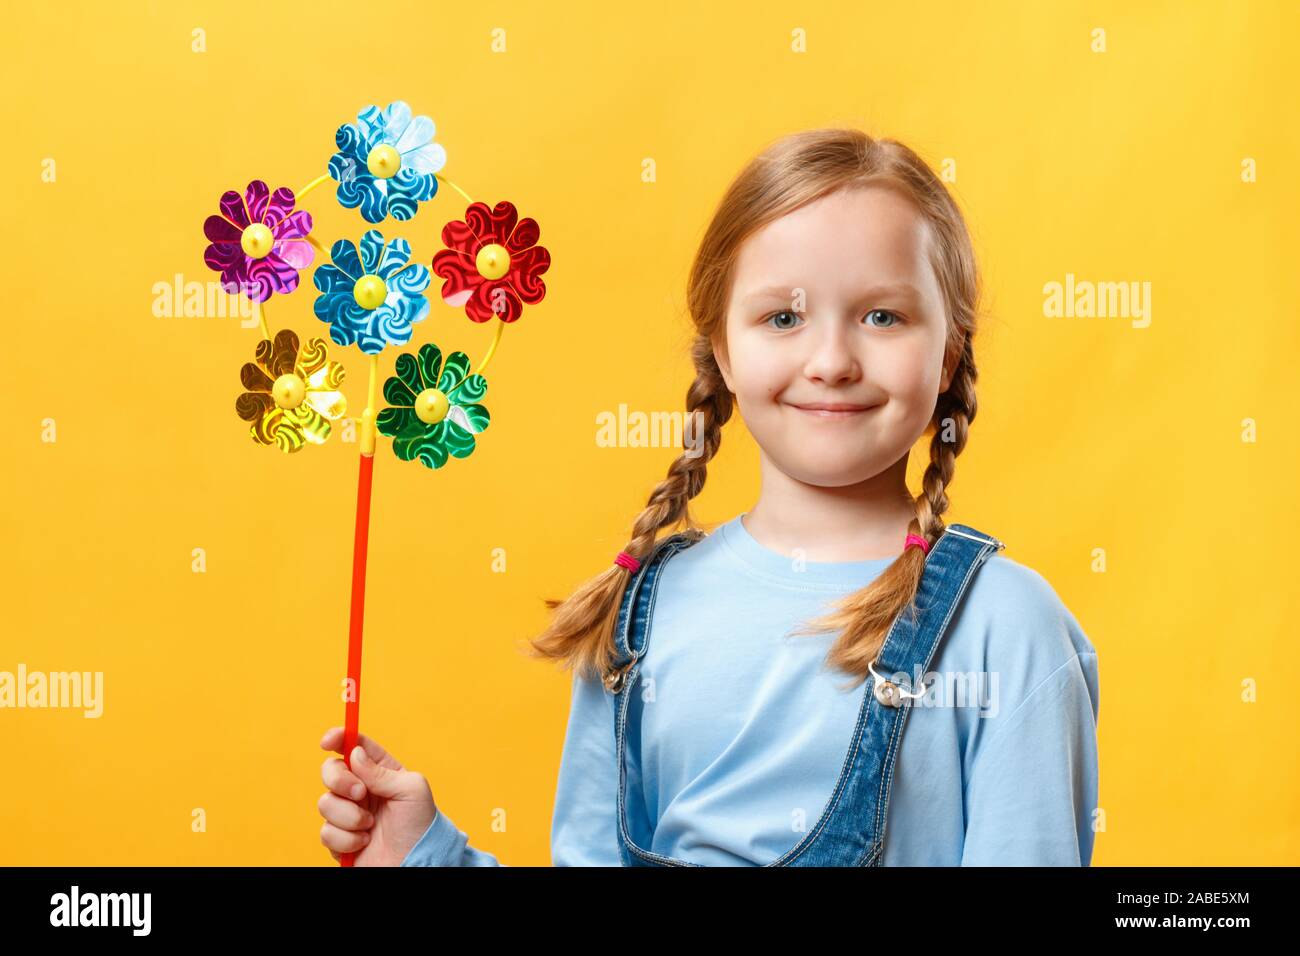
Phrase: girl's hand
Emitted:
{"points": [[376, 810]]}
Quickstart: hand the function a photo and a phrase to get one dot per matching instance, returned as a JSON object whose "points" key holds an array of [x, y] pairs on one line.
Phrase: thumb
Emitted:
{"points": [[381, 781]]}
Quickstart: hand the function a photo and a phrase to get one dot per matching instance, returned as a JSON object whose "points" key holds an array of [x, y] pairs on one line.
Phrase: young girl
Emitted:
{"points": [[835, 296]]}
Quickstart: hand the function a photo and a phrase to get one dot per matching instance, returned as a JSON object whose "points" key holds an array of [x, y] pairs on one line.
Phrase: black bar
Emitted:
{"points": [[331, 903]]}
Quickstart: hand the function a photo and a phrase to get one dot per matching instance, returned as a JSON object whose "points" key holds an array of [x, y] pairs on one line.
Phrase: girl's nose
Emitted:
{"points": [[832, 359]]}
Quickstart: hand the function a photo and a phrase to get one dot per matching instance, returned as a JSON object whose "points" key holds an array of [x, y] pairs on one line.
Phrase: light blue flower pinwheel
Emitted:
{"points": [[371, 300], [386, 162]]}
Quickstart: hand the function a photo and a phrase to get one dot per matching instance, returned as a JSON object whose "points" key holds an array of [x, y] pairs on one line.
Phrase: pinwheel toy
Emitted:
{"points": [[371, 294]]}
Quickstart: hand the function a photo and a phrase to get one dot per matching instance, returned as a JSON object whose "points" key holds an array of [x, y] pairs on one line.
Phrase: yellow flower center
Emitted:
{"points": [[383, 162], [289, 391], [370, 292], [257, 241], [493, 261], [431, 406]]}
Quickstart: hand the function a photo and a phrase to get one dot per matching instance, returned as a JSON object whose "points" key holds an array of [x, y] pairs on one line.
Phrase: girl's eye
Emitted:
{"points": [[788, 320], [777, 315], [893, 315]]}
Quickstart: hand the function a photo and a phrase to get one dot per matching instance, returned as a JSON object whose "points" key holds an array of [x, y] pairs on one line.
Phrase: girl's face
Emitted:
{"points": [[836, 304]]}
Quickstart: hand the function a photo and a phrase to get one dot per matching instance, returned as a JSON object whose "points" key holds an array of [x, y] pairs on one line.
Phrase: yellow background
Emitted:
{"points": [[1115, 166]]}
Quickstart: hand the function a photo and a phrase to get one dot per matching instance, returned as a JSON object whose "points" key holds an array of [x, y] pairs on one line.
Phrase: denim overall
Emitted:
{"points": [[851, 830]]}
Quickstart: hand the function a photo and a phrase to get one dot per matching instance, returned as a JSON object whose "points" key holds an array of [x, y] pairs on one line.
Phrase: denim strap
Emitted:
{"points": [[629, 640]]}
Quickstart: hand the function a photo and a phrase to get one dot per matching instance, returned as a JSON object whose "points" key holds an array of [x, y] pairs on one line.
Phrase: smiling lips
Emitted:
{"points": [[833, 409]]}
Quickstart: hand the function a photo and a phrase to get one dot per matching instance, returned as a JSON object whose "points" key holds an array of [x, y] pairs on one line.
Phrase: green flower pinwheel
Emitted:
{"points": [[432, 413]]}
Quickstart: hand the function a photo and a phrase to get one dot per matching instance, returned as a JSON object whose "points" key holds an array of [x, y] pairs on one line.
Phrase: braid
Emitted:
{"points": [[956, 410], [708, 407], [582, 631]]}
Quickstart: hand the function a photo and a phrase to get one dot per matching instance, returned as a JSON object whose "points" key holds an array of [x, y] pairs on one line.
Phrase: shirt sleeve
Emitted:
{"points": [[445, 844], [584, 829], [1032, 788]]}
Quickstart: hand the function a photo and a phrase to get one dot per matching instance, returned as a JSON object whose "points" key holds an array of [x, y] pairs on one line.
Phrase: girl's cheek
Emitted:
{"points": [[905, 373]]}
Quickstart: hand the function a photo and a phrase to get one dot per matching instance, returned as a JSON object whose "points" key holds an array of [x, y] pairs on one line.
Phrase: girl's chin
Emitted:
{"points": [[831, 471]]}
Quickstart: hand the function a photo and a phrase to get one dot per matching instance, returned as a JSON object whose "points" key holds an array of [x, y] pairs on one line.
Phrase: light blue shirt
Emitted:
{"points": [[744, 732]]}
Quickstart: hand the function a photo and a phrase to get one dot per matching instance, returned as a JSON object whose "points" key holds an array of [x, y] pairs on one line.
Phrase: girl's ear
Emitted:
{"points": [[723, 359]]}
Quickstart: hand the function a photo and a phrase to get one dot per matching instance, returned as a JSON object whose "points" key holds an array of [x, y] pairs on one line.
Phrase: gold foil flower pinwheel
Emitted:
{"points": [[292, 396]]}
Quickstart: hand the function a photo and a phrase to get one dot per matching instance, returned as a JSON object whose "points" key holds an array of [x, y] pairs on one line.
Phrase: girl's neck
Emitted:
{"points": [[862, 522]]}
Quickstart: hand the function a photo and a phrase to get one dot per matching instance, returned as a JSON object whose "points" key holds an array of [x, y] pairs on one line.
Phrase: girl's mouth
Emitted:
{"points": [[834, 410]]}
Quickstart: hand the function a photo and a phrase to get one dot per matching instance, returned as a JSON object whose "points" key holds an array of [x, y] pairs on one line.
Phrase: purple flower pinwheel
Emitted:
{"points": [[258, 242]]}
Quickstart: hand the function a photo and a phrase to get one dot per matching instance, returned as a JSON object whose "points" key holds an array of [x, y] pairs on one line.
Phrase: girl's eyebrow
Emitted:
{"points": [[772, 292], [786, 292]]}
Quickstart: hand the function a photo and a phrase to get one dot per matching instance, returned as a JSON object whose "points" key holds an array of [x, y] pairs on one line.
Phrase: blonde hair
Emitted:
{"points": [[791, 173]]}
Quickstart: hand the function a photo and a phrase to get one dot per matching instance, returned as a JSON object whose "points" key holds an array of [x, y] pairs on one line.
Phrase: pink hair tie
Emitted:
{"points": [[918, 541], [623, 559]]}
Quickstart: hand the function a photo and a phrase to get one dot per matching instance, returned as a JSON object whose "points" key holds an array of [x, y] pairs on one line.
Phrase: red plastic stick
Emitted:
{"points": [[352, 713]]}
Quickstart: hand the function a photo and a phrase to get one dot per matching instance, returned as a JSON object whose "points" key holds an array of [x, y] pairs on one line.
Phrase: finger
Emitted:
{"points": [[380, 780], [342, 840], [333, 740], [344, 814], [341, 780]]}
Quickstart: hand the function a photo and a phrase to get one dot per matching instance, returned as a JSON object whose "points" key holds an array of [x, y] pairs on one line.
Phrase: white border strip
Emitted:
{"points": [[963, 534]]}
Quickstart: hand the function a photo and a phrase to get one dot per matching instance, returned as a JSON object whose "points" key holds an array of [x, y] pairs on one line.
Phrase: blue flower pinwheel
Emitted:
{"points": [[386, 162], [371, 300]]}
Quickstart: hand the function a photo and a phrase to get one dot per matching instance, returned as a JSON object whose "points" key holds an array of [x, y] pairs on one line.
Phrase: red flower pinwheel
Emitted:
{"points": [[492, 264], [258, 241]]}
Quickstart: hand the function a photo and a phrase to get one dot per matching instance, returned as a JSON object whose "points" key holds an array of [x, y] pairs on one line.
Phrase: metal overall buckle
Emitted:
{"points": [[889, 693], [613, 680]]}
